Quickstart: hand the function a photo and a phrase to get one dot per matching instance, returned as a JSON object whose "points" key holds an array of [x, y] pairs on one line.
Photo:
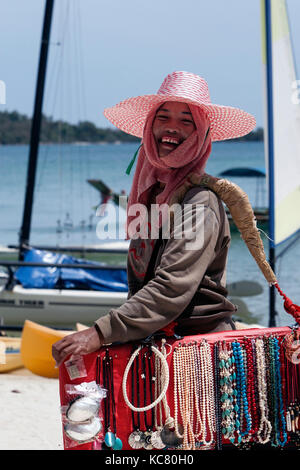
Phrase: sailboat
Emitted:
{"points": [[104, 287], [282, 132]]}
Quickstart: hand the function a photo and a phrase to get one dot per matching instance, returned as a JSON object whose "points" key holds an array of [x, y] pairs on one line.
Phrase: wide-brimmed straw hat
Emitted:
{"points": [[226, 122]]}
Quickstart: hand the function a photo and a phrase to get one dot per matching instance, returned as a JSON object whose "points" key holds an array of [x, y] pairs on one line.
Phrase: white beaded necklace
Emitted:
{"points": [[182, 389], [165, 379], [207, 388], [194, 390]]}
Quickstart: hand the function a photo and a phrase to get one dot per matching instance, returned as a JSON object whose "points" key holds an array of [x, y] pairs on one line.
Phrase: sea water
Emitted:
{"points": [[64, 205]]}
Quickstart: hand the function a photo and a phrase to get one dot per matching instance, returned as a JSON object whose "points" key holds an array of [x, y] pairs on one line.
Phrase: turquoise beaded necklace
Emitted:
{"points": [[279, 412], [241, 385], [228, 393]]}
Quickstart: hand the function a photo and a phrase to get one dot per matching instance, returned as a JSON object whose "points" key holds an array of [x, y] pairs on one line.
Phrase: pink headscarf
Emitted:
{"points": [[190, 156]]}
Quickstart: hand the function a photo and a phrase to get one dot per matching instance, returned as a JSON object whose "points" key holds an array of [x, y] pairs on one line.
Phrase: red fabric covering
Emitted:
{"points": [[121, 355]]}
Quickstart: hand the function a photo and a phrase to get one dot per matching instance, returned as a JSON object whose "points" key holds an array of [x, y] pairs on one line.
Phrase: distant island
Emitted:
{"points": [[15, 130]]}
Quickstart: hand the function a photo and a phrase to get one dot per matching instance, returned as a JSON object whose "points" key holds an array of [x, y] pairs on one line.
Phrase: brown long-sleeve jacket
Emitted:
{"points": [[189, 279]]}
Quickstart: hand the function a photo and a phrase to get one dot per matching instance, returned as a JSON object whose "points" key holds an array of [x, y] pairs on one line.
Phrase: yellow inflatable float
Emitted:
{"points": [[10, 354], [36, 347]]}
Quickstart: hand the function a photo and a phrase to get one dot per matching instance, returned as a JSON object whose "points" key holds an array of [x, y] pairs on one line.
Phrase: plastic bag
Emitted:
{"points": [[82, 417], [75, 367]]}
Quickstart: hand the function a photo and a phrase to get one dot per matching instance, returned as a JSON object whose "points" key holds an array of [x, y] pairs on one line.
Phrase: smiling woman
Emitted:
{"points": [[170, 284], [172, 124]]}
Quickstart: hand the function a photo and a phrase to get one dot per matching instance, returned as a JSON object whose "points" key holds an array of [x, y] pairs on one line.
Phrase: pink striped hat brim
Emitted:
{"points": [[226, 122]]}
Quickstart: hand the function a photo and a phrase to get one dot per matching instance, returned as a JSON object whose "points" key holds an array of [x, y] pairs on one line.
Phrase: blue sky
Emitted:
{"points": [[111, 50]]}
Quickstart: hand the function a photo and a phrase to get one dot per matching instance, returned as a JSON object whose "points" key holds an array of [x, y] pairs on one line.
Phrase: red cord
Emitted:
{"points": [[289, 307]]}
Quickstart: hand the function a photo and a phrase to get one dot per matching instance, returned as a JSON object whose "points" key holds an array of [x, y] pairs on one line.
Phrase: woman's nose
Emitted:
{"points": [[172, 127]]}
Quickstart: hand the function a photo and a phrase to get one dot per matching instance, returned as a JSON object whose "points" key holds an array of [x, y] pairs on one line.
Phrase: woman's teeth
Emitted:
{"points": [[169, 140]]}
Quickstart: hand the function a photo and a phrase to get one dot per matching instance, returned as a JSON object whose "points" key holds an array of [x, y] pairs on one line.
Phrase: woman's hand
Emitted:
{"points": [[79, 343]]}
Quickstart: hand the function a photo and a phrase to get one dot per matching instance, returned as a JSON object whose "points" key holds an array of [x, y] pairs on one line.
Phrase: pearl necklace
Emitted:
{"points": [[182, 389], [194, 390], [265, 427], [207, 393]]}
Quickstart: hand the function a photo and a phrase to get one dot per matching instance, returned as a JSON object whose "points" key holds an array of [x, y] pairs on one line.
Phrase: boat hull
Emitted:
{"points": [[55, 307]]}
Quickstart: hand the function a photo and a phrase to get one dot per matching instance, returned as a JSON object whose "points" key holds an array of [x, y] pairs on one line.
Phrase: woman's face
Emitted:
{"points": [[173, 123]]}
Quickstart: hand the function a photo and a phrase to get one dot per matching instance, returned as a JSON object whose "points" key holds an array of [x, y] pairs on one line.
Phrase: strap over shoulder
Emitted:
{"points": [[242, 213]]}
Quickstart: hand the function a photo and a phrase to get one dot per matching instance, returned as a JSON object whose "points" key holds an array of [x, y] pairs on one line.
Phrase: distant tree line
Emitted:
{"points": [[15, 129]]}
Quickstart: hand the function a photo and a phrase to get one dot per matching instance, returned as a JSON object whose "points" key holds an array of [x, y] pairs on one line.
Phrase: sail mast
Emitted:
{"points": [[35, 129], [270, 156]]}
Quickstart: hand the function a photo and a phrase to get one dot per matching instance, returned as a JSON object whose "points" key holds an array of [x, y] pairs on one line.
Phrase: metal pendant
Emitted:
{"points": [[147, 440], [156, 440], [109, 439], [136, 440], [170, 438], [118, 444]]}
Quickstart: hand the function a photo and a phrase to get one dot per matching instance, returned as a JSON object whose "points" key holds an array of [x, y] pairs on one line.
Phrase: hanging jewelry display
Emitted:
{"points": [[228, 392], [111, 441], [146, 360], [182, 392], [276, 407], [291, 360], [164, 433], [165, 382], [136, 438], [265, 427], [249, 360], [217, 397], [243, 423], [281, 435], [243, 392], [207, 408], [291, 344], [194, 395], [292, 387]]}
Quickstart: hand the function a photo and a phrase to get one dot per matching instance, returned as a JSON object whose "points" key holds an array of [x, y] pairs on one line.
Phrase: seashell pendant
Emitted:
{"points": [[136, 440], [82, 409], [156, 440], [83, 432]]}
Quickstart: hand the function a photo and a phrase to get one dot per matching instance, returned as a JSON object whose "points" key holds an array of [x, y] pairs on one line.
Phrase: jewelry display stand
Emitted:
{"points": [[229, 389]]}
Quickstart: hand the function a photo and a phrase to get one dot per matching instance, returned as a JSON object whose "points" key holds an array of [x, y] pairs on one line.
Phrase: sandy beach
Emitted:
{"points": [[30, 412]]}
